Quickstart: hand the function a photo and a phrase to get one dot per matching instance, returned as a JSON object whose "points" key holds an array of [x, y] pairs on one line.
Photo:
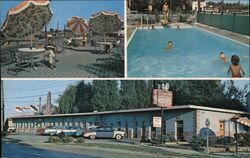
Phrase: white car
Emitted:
{"points": [[104, 132], [51, 130]]}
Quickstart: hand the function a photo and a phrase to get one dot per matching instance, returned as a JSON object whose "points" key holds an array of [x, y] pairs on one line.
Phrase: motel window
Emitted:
{"points": [[118, 125], [143, 128]]}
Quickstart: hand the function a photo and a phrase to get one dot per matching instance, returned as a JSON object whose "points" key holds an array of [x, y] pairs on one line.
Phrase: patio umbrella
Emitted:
{"points": [[27, 18], [244, 121], [104, 22], [78, 25]]}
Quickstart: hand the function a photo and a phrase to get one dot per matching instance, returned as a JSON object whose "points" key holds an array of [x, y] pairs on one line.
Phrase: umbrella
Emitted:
{"points": [[244, 121], [78, 25], [103, 22], [27, 18]]}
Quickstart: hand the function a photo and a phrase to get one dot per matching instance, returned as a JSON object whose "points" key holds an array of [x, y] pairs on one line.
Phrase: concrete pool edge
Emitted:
{"points": [[222, 36], [132, 36], [191, 26]]}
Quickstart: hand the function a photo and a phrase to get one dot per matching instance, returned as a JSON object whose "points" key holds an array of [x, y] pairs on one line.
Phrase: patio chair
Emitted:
{"points": [[191, 19], [94, 46], [20, 62]]}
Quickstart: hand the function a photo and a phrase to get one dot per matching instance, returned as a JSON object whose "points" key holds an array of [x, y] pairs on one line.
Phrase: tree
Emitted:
{"points": [[128, 94], [105, 95], [84, 95], [234, 96], [67, 101]]}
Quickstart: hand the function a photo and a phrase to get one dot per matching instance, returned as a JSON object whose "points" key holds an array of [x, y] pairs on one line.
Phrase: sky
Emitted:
{"points": [[64, 10], [27, 92]]}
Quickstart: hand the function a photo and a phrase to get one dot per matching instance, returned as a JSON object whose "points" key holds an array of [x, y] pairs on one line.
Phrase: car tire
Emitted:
{"points": [[11, 131], [118, 137], [92, 137]]}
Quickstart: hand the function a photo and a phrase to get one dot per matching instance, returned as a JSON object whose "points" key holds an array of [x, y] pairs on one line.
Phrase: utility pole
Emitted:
{"points": [[2, 107], [207, 124], [162, 125], [234, 119]]}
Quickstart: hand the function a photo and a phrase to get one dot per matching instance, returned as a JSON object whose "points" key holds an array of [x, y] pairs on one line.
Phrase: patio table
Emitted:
{"points": [[77, 41], [32, 52], [105, 44]]}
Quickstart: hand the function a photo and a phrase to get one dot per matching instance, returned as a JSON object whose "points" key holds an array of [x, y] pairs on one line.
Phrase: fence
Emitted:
{"points": [[235, 23]]}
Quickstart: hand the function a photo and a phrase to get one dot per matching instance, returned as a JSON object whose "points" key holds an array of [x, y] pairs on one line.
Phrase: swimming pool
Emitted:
{"points": [[195, 54]]}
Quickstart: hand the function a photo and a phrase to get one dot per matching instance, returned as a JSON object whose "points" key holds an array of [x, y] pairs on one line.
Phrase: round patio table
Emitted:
{"points": [[31, 52], [77, 41]]}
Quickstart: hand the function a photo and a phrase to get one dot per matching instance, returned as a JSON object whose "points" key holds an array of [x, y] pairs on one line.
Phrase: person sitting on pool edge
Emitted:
{"points": [[223, 57], [235, 68], [169, 45], [51, 50]]}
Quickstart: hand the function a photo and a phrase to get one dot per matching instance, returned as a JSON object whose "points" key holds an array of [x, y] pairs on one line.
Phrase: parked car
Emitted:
{"points": [[41, 130], [11, 130], [104, 132], [52, 130], [74, 131]]}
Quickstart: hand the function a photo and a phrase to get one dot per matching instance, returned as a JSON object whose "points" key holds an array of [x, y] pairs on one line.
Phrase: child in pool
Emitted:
{"points": [[235, 68], [169, 45], [223, 57]]}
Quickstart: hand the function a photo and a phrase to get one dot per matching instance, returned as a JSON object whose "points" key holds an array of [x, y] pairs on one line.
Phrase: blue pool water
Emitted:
{"points": [[195, 54]]}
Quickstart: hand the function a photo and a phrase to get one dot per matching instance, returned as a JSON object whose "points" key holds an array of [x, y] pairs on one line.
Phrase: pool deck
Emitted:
{"points": [[235, 36], [73, 64]]}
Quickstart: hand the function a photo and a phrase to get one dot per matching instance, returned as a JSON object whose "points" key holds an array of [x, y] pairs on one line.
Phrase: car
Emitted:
{"points": [[40, 131], [53, 130], [104, 132], [74, 131], [11, 130]]}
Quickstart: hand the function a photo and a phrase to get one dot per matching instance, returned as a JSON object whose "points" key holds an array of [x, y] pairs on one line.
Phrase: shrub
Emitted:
{"points": [[67, 139], [80, 140], [145, 139], [54, 139]]}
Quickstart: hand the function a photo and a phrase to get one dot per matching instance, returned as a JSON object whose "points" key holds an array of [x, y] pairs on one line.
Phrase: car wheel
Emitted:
{"points": [[10, 130], [118, 137], [92, 137]]}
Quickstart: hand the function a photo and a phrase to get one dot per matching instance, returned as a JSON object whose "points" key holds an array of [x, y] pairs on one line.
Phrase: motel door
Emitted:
{"points": [[179, 130], [222, 128]]}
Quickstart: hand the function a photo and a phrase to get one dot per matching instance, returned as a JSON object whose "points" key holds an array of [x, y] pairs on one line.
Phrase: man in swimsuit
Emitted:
{"points": [[235, 68]]}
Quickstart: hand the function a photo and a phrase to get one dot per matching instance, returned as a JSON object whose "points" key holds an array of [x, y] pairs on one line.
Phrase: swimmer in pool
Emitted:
{"points": [[223, 57], [235, 68], [169, 45]]}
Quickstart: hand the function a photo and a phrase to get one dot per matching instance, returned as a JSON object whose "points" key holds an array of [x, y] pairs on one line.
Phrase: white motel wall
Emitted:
{"points": [[179, 122]]}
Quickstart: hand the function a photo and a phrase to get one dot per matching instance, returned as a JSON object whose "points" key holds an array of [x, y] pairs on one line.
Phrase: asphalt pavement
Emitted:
{"points": [[11, 150]]}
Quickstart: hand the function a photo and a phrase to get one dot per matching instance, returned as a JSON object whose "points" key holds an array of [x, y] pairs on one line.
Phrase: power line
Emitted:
{"points": [[29, 101], [33, 96], [43, 86]]}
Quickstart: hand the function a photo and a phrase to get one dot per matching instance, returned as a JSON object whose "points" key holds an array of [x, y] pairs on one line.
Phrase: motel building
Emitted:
{"points": [[179, 122]]}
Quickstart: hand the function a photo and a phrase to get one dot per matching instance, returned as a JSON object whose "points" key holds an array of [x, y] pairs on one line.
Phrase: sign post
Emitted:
{"points": [[207, 124], [163, 99]]}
